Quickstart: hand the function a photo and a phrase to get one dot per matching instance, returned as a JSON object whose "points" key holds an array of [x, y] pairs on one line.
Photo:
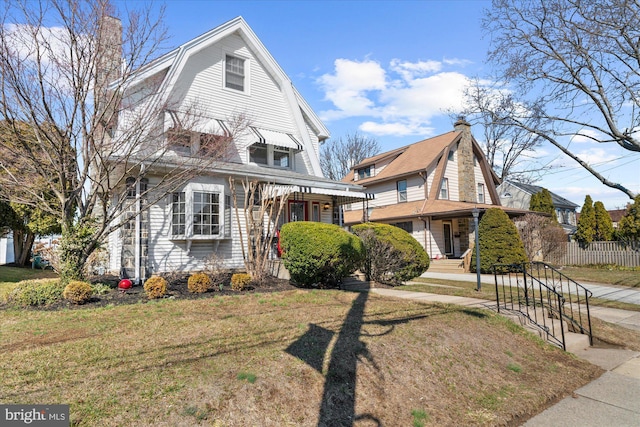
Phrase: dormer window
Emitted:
{"points": [[234, 73], [271, 155], [258, 153], [364, 172]]}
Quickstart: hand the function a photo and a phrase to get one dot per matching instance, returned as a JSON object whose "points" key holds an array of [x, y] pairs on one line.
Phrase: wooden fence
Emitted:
{"points": [[600, 253]]}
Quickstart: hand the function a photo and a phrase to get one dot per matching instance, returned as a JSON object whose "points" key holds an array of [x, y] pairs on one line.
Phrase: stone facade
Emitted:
{"points": [[466, 176]]}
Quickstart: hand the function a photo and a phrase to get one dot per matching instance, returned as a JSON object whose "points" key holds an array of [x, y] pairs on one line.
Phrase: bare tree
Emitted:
{"points": [[575, 67], [510, 149], [262, 207], [70, 73], [542, 237], [339, 156]]}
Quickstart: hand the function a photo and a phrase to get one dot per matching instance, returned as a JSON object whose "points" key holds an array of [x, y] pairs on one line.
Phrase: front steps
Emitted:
{"points": [[446, 266]]}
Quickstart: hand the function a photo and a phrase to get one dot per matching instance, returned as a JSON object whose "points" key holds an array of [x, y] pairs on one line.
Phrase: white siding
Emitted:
{"points": [[452, 174]]}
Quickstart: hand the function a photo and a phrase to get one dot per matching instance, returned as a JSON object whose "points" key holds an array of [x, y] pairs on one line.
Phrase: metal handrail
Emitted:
{"points": [[550, 292]]}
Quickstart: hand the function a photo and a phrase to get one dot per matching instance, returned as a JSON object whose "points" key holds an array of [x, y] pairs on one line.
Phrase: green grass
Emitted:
{"points": [[605, 274], [468, 289], [180, 362], [11, 276]]}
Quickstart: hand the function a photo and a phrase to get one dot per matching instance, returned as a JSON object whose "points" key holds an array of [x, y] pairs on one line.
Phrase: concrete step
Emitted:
{"points": [[446, 266]]}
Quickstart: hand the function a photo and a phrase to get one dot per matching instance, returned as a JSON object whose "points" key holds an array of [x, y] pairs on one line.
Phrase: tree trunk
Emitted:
{"points": [[22, 244]]}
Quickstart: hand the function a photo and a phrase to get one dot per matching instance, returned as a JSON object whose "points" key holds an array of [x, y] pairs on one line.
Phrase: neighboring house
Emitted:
{"points": [[6, 249], [430, 189], [518, 195], [228, 70], [616, 215]]}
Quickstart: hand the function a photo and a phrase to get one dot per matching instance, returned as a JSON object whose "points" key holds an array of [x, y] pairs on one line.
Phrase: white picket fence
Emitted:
{"points": [[600, 253]]}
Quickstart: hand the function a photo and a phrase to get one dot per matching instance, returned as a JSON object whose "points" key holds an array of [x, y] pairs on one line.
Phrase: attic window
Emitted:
{"points": [[364, 172], [234, 73], [451, 156]]}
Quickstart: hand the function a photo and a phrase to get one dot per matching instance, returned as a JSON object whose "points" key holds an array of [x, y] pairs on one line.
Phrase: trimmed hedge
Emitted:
{"points": [[199, 283], [318, 253], [499, 241], [155, 287], [36, 292], [77, 291], [392, 255]]}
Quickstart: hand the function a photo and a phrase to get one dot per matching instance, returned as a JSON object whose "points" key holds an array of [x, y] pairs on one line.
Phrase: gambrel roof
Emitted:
{"points": [[171, 66]]}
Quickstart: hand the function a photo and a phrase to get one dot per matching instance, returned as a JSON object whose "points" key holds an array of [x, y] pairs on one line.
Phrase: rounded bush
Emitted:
{"points": [[318, 253], [393, 256], [240, 281], [499, 242], [155, 287], [77, 292], [36, 292], [199, 283]]}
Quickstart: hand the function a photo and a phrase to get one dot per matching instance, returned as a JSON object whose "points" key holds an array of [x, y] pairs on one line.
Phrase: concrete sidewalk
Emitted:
{"points": [[611, 400], [610, 292]]}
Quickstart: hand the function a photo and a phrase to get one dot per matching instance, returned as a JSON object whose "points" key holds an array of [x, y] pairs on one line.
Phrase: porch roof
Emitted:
{"points": [[342, 196], [434, 209]]}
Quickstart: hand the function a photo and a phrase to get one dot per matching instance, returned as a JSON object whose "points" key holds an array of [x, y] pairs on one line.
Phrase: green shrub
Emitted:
{"points": [[499, 242], [392, 255], [240, 281], [101, 288], [77, 292], [155, 287], [36, 292], [317, 253], [199, 283]]}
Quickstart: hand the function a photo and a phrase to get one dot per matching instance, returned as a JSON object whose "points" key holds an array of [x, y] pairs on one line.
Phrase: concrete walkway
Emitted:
{"points": [[611, 400], [610, 292]]}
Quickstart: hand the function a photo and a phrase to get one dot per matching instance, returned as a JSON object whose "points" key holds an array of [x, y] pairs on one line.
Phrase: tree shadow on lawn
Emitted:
{"points": [[338, 398]]}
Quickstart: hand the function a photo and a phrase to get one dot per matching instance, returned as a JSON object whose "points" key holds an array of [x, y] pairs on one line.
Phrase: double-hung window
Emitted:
{"points": [[444, 189], [200, 212], [364, 172], [402, 190], [234, 73], [281, 157], [480, 193]]}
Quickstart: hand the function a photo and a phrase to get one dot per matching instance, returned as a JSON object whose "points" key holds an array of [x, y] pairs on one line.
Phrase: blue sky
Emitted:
{"points": [[389, 69]]}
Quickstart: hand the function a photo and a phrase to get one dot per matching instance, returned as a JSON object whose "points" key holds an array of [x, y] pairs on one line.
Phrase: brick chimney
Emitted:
{"points": [[466, 176]]}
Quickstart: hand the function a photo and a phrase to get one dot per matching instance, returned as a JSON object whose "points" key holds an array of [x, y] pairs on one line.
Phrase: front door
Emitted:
{"points": [[448, 239]]}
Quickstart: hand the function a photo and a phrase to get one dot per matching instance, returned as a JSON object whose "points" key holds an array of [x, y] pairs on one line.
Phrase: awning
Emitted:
{"points": [[276, 138], [344, 196], [332, 192]]}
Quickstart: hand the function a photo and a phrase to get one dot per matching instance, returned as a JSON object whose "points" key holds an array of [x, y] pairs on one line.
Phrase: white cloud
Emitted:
{"points": [[596, 156], [586, 136], [411, 70], [395, 129], [348, 88], [403, 96]]}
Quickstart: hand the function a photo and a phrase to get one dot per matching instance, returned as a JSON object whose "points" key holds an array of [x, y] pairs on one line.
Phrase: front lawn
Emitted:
{"points": [[298, 358]]}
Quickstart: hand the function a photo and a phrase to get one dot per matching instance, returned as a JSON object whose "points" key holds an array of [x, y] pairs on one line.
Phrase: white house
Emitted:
{"points": [[226, 70], [430, 189]]}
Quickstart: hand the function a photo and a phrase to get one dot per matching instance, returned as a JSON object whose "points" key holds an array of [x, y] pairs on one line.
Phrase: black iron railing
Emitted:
{"points": [[545, 297]]}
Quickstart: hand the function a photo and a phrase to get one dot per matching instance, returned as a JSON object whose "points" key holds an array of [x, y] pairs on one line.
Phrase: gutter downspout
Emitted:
{"points": [[138, 230]]}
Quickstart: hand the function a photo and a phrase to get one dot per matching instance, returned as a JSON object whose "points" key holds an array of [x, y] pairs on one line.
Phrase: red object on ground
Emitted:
{"points": [[125, 284]]}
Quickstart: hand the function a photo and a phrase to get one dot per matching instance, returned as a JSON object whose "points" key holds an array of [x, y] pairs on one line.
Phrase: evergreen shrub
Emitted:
{"points": [[318, 253], [36, 292], [392, 255], [199, 283], [155, 287], [240, 281], [499, 241], [78, 292]]}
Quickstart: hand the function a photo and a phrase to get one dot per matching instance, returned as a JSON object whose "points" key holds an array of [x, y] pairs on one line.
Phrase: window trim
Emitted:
{"points": [[224, 229], [246, 77]]}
